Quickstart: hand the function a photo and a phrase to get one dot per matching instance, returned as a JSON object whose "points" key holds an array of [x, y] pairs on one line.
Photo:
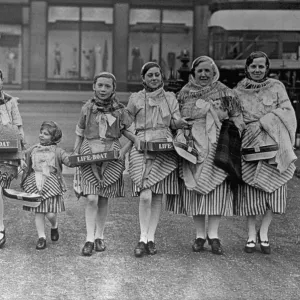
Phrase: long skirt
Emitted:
{"points": [[252, 201], [217, 202], [161, 170]]}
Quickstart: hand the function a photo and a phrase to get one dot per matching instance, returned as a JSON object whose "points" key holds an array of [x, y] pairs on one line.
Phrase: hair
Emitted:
{"points": [[1, 74], [106, 75], [250, 59], [202, 59], [147, 66], [53, 129]]}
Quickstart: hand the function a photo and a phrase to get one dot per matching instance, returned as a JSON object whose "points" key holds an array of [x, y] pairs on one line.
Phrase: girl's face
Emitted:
{"points": [[103, 87], [1, 84], [204, 73], [257, 69], [45, 137], [153, 78]]}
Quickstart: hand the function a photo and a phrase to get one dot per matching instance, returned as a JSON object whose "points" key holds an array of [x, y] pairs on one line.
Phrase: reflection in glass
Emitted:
{"points": [[96, 41], [10, 53], [160, 36], [177, 35], [63, 42], [143, 40]]}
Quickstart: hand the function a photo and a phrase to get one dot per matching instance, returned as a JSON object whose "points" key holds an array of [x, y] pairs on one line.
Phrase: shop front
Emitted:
{"points": [[61, 45]]}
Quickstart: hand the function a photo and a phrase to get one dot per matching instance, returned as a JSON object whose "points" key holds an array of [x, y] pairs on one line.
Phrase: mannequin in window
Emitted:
{"points": [[98, 59], [11, 66], [137, 63], [57, 60], [88, 60], [74, 64], [171, 64]]}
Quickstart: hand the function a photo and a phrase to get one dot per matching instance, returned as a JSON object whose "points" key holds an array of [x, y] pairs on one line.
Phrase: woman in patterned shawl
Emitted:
{"points": [[102, 121], [153, 173], [269, 118], [204, 189]]}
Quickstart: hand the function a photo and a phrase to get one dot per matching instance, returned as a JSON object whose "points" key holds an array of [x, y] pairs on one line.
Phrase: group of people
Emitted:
{"points": [[218, 123]]}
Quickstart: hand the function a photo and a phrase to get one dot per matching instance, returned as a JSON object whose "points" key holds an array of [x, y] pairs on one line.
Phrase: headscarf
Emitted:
{"points": [[145, 68], [201, 59], [54, 130], [107, 103], [249, 60]]}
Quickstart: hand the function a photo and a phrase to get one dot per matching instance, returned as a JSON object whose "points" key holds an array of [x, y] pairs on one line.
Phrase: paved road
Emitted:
{"points": [[59, 272]]}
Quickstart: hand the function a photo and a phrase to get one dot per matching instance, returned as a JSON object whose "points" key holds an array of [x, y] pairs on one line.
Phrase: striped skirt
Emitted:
{"points": [[51, 193], [162, 174], [8, 172], [113, 185], [252, 201], [218, 202]]}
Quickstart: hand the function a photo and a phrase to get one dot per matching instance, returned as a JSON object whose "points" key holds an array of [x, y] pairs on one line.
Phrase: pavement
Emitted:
{"points": [[28, 96]]}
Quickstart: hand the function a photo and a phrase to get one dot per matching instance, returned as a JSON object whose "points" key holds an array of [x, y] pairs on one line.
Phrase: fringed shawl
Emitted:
{"points": [[222, 97]]}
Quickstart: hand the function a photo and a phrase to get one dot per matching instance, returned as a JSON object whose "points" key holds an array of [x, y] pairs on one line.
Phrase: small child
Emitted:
{"points": [[44, 176]]}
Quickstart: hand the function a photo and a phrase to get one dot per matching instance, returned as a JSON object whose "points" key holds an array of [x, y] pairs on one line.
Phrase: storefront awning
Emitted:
{"points": [[279, 20]]}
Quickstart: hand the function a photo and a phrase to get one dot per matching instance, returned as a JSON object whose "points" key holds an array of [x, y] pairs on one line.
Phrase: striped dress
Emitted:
{"points": [[99, 135], [46, 179], [204, 189], [152, 113], [265, 187]]}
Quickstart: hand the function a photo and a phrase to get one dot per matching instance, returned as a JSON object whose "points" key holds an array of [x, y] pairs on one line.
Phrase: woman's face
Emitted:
{"points": [[45, 137], [103, 87], [153, 77], [204, 73], [257, 69]]}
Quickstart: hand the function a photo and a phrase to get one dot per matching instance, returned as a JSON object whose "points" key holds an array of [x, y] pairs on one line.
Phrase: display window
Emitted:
{"points": [[10, 53], [143, 40], [96, 50], [177, 35], [159, 36], [79, 42]]}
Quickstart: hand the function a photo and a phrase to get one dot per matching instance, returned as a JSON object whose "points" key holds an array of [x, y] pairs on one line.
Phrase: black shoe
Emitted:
{"points": [[54, 234], [3, 240], [151, 248], [216, 247], [198, 245], [41, 244], [99, 245], [248, 248], [140, 249], [264, 249], [87, 249]]}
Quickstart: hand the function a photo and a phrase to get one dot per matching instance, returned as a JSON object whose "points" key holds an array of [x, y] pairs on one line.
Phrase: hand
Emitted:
{"points": [[122, 154], [137, 143], [23, 164], [180, 137], [181, 123]]}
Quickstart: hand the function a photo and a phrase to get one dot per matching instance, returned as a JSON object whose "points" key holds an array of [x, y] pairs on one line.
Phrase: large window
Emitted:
{"points": [[160, 36], [238, 45], [10, 53], [79, 42]]}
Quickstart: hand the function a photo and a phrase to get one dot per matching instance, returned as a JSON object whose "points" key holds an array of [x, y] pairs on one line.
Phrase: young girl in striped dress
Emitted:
{"points": [[44, 176], [101, 123]]}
